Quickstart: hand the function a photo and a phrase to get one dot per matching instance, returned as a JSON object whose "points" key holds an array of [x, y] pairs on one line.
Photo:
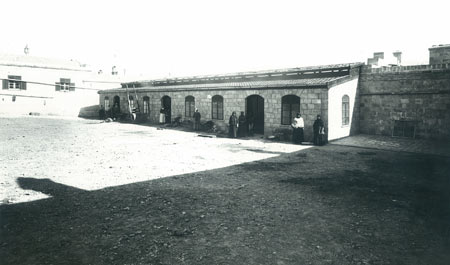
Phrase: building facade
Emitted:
{"points": [[270, 98], [48, 86]]}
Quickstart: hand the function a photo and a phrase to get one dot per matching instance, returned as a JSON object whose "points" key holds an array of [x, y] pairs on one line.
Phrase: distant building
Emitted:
{"points": [[381, 59], [49, 86], [440, 54]]}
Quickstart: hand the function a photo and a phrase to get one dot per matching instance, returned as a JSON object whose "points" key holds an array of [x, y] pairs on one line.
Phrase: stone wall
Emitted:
{"points": [[313, 101], [419, 94], [440, 54]]}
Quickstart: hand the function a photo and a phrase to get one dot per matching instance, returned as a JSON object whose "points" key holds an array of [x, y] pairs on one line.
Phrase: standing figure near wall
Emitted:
{"points": [[102, 113], [233, 125], [250, 123], [197, 117], [115, 111], [167, 115], [319, 131], [162, 116], [242, 130], [297, 129]]}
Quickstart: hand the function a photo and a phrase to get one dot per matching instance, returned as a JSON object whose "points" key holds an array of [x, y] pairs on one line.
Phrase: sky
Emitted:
{"points": [[155, 39]]}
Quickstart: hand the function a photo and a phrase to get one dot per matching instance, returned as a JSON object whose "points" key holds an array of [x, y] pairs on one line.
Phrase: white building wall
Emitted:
{"points": [[43, 98], [335, 128]]}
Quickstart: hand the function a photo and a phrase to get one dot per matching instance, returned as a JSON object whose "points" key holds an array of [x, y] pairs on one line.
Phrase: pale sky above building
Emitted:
{"points": [[154, 38]]}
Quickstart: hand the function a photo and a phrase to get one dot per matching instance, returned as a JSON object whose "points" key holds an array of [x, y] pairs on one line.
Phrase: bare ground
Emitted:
{"points": [[83, 192]]}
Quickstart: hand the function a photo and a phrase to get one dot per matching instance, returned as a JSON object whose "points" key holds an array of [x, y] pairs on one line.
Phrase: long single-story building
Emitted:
{"points": [[271, 97]]}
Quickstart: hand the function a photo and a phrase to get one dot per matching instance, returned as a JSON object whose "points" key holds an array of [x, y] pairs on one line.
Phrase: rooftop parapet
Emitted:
{"points": [[408, 68]]}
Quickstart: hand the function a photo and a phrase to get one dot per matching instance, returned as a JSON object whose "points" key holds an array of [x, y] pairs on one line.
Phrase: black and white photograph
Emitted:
{"points": [[230, 132]]}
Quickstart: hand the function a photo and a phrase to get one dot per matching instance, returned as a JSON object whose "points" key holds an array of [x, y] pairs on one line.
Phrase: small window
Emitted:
{"points": [[107, 104], [404, 128], [345, 110], [189, 105], [146, 105], [217, 108], [64, 85], [290, 106], [14, 83]]}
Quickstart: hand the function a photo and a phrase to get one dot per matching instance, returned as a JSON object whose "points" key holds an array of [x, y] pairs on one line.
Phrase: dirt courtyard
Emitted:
{"points": [[79, 191]]}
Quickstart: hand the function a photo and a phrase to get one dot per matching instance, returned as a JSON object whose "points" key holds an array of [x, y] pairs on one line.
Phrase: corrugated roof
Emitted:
{"points": [[311, 82], [318, 76], [253, 84], [263, 72]]}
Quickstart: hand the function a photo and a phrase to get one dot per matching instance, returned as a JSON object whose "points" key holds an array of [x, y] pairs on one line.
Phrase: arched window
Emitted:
{"points": [[106, 103], [345, 110], [146, 105], [217, 107], [290, 105], [189, 106]]}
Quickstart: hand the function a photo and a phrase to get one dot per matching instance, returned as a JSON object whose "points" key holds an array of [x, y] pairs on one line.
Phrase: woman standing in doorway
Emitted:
{"points": [[233, 125], [162, 116]]}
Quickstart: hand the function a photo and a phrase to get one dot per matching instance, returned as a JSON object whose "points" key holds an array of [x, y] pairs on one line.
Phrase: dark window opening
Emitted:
{"points": [[403, 128], [64, 85], [290, 106], [189, 105], [345, 110], [217, 108]]}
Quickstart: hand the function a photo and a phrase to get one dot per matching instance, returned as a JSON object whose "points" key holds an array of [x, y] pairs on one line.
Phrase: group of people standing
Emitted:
{"points": [[298, 125], [240, 126]]}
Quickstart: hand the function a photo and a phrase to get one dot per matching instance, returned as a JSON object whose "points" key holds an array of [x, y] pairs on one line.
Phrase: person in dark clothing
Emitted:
{"points": [[250, 123], [115, 111], [242, 130], [233, 125], [102, 113], [319, 131], [197, 117]]}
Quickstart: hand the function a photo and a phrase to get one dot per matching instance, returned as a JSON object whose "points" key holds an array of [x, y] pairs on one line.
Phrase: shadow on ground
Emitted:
{"points": [[330, 205]]}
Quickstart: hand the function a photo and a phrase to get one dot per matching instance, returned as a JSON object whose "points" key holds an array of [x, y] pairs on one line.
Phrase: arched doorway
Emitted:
{"points": [[255, 112], [116, 101], [115, 111], [166, 103]]}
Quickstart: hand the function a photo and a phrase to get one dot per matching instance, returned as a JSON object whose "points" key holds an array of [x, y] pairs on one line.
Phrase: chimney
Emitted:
{"points": [[398, 56]]}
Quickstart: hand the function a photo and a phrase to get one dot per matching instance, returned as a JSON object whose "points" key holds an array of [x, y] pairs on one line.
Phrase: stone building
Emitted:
{"points": [[440, 54], [272, 98], [381, 98]]}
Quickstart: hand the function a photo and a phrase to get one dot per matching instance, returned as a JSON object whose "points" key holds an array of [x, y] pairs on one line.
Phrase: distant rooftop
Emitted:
{"points": [[440, 46], [41, 62]]}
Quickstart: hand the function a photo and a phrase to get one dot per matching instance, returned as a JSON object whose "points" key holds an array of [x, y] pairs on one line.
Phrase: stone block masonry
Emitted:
{"points": [[418, 94], [311, 103]]}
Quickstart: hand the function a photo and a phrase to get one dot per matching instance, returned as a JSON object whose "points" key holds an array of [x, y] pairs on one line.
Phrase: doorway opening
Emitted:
{"points": [[166, 103], [255, 112]]}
